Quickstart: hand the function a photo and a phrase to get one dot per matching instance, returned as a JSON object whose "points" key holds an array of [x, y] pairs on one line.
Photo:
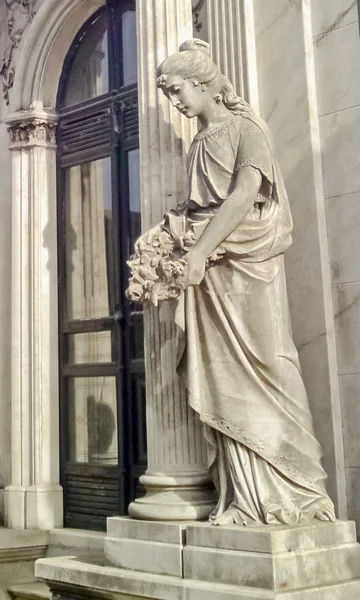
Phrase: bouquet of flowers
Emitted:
{"points": [[158, 271]]}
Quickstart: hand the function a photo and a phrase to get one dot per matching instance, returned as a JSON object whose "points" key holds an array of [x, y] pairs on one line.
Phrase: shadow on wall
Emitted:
{"points": [[2, 485]]}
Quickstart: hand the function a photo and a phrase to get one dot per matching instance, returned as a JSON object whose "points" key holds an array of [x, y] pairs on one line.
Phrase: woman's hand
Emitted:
{"points": [[196, 266]]}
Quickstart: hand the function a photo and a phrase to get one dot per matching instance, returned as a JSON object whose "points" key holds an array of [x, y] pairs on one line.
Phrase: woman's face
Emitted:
{"points": [[190, 99]]}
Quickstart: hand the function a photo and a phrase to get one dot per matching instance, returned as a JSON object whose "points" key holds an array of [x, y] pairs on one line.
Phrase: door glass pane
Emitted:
{"points": [[134, 196], [89, 74], [93, 436], [90, 347], [136, 333], [129, 47], [88, 239]]}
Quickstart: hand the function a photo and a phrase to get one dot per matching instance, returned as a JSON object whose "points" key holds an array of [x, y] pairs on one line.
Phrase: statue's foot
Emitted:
{"points": [[227, 518], [326, 511]]}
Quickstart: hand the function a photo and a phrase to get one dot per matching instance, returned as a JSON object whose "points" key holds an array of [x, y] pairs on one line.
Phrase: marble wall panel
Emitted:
{"points": [[317, 380], [350, 404], [343, 225], [269, 15], [340, 152], [346, 298], [287, 94], [337, 58], [278, 26], [5, 303], [353, 495], [332, 14], [306, 295]]}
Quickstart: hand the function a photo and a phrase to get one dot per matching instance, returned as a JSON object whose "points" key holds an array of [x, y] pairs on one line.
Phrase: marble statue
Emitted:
{"points": [[220, 256]]}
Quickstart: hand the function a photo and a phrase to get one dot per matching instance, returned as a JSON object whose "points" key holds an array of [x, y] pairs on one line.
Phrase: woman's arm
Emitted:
{"points": [[228, 217]]}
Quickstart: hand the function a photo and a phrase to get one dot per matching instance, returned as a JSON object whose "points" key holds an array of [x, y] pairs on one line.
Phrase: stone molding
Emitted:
{"points": [[11, 555], [19, 14], [21, 546]]}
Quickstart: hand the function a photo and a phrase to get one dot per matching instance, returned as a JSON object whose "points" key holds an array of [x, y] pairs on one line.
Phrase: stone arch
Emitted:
{"points": [[43, 50]]}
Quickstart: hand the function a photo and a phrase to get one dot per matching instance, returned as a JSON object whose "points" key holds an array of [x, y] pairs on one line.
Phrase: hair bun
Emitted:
{"points": [[196, 44]]}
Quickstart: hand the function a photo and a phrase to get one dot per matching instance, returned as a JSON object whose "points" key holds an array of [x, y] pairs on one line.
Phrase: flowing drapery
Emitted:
{"points": [[235, 350]]}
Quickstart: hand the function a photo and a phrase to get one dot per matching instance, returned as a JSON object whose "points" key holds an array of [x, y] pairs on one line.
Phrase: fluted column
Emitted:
{"points": [[34, 498], [176, 481], [230, 32]]}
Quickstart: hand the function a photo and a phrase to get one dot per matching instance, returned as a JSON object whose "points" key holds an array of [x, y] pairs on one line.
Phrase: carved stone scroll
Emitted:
{"points": [[19, 14]]}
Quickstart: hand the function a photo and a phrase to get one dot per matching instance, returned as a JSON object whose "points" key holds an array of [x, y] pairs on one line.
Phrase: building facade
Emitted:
{"points": [[88, 147]]}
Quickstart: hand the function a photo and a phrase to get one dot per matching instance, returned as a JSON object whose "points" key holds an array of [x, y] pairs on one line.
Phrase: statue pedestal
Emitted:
{"points": [[320, 558], [197, 561], [276, 559], [271, 559]]}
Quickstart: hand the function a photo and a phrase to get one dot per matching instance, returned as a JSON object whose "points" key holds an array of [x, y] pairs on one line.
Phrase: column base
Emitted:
{"points": [[14, 506], [174, 498], [35, 507]]}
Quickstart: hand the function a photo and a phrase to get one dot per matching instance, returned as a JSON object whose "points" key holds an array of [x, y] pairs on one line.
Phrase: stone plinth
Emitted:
{"points": [[276, 558], [147, 546], [272, 539]]}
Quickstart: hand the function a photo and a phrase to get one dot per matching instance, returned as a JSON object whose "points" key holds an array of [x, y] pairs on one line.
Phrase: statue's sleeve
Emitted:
{"points": [[255, 150]]}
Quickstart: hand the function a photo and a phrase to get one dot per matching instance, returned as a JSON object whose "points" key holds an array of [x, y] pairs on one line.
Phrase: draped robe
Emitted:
{"points": [[235, 350]]}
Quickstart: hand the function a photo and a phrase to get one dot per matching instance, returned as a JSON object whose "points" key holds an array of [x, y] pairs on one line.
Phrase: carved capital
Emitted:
{"points": [[32, 133]]}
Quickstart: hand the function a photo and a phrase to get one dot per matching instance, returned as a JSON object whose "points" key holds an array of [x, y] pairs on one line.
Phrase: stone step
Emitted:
{"points": [[69, 578], [339, 591], [30, 591], [174, 561], [63, 541]]}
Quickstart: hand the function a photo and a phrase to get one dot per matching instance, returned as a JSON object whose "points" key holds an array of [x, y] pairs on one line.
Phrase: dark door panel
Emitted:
{"points": [[101, 364]]}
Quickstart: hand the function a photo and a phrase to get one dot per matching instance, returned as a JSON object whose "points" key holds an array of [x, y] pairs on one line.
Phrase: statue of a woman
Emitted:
{"points": [[221, 254]]}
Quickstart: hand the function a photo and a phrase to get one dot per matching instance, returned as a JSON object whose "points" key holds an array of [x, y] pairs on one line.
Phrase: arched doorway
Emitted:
{"points": [[101, 372]]}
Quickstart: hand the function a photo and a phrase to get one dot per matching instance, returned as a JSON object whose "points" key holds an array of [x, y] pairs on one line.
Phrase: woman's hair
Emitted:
{"points": [[193, 61]]}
